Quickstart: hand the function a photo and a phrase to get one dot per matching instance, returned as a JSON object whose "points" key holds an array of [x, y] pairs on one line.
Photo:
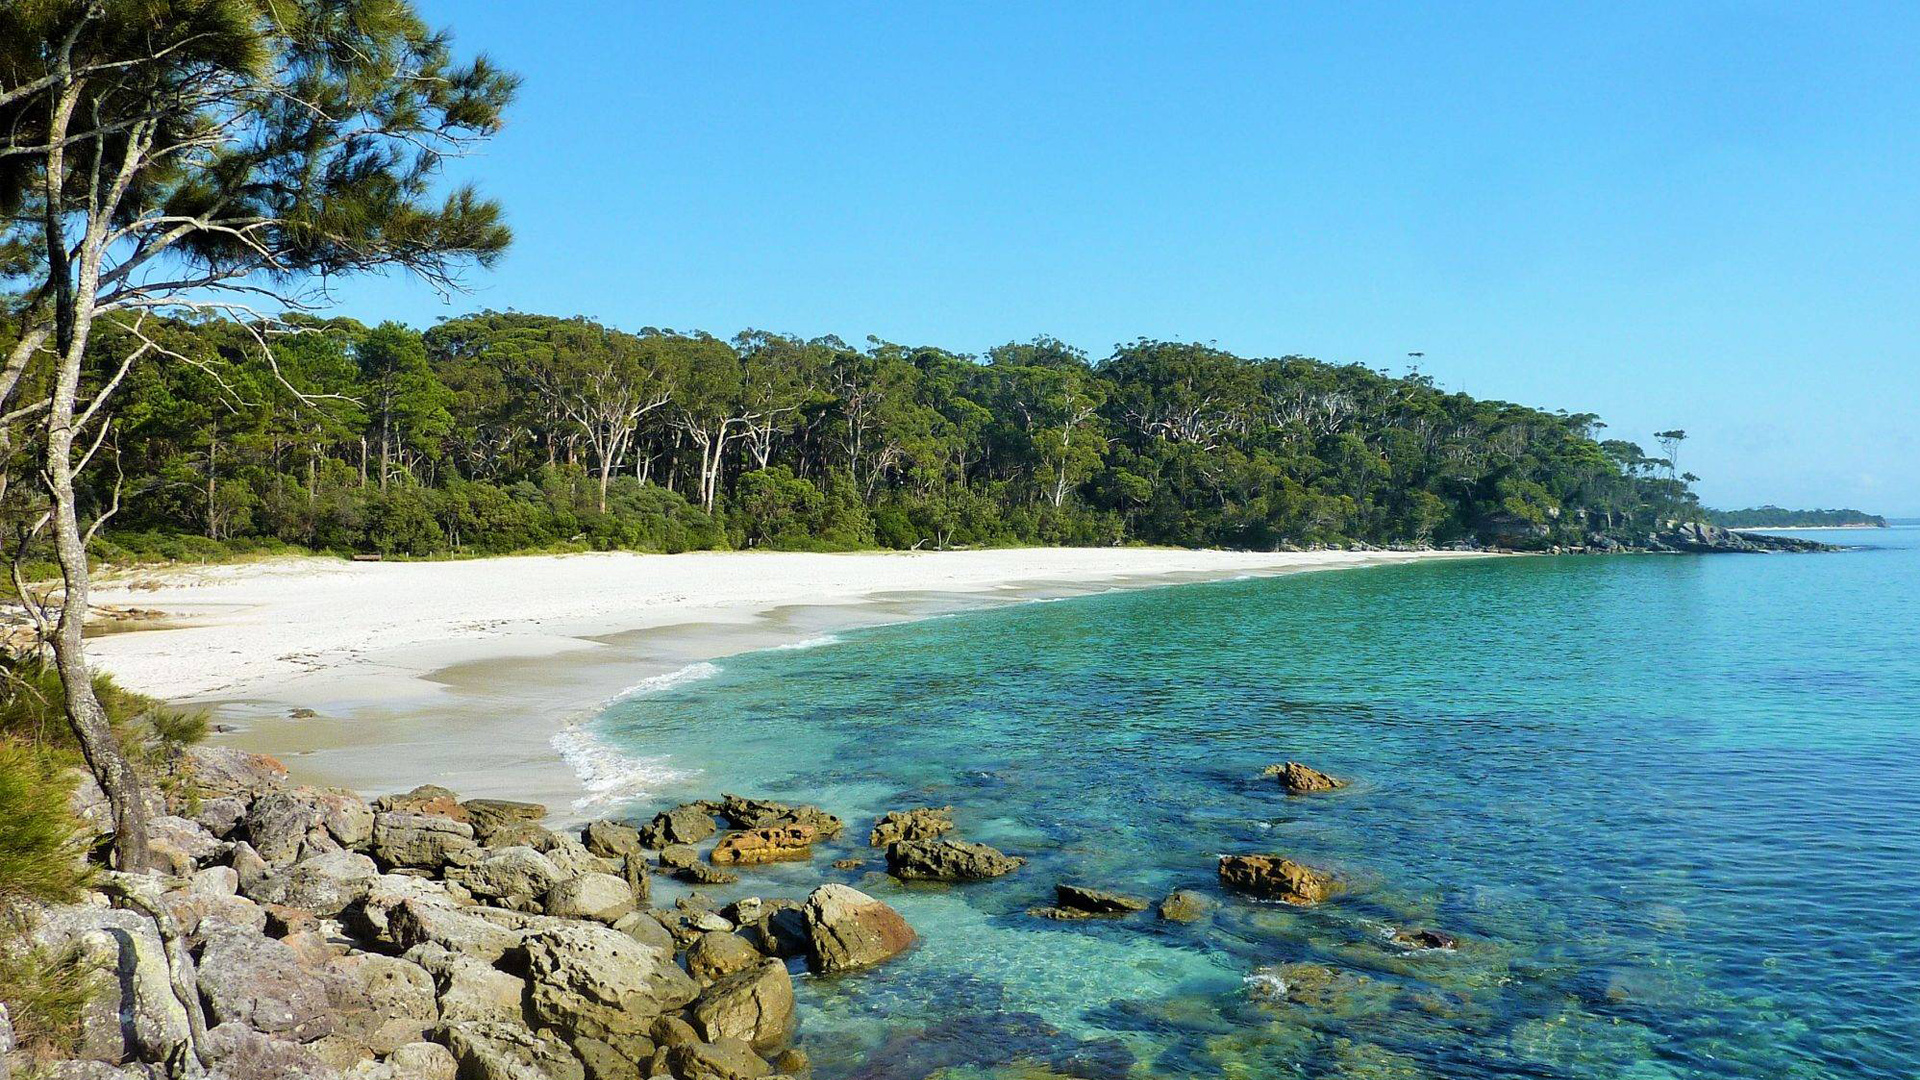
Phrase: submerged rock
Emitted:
{"points": [[1185, 905], [1425, 939], [925, 823], [848, 929], [1300, 779], [1278, 878], [948, 860], [780, 843]]}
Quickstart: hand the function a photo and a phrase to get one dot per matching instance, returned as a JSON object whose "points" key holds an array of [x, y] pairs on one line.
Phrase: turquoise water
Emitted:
{"points": [[1669, 804]]}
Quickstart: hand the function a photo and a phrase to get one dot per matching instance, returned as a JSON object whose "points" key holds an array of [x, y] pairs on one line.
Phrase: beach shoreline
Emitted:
{"points": [[478, 674]]}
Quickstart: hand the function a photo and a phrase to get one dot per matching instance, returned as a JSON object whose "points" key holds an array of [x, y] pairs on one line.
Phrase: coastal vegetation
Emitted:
{"points": [[1774, 517], [508, 431]]}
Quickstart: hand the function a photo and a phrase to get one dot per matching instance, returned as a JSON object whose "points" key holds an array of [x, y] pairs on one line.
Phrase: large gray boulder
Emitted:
{"points": [[726, 1059], [613, 839], [500, 1051], [848, 929], [380, 1003], [599, 897], [490, 817], [416, 922], [402, 838], [132, 1013], [948, 860], [470, 989], [287, 825], [241, 1053], [753, 1004], [213, 772], [329, 883], [512, 876], [719, 953], [260, 983], [597, 983]]}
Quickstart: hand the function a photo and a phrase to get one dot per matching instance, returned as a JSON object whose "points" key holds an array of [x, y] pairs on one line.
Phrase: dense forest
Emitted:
{"points": [[1774, 517], [503, 431]]}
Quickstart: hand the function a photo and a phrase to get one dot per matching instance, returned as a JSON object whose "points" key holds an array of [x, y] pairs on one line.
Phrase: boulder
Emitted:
{"points": [[387, 892], [717, 954], [184, 840], [425, 799], [380, 1003], [1278, 878], [214, 772], [642, 927], [287, 825], [745, 813], [511, 876], [255, 876], [600, 897], [925, 823], [502, 1051], [423, 1061], [594, 982], [688, 824], [238, 1052], [201, 912], [613, 839], [779, 843], [848, 929], [1185, 905], [417, 922], [571, 857], [948, 860], [404, 838], [469, 989], [1299, 779], [753, 1004], [132, 1012], [219, 816], [328, 884], [488, 816], [726, 1059], [249, 979], [678, 857]]}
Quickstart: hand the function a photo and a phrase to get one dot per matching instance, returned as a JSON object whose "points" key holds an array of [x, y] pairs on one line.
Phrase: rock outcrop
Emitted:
{"points": [[848, 929], [948, 860], [776, 843], [1278, 878], [924, 823], [1300, 779]]}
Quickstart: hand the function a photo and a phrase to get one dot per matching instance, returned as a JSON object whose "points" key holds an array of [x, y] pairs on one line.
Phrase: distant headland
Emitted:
{"points": [[1775, 517]]}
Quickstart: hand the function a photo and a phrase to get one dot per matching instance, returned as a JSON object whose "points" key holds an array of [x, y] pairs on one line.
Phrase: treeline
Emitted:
{"points": [[503, 431], [1774, 517]]}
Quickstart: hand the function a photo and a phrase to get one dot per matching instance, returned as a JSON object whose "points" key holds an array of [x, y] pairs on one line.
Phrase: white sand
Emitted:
{"points": [[463, 672]]}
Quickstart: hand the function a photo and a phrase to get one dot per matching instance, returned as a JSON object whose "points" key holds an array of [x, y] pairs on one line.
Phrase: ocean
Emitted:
{"points": [[1668, 805]]}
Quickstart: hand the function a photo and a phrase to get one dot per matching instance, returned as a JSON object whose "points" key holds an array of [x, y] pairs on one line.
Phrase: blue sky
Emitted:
{"points": [[1695, 215]]}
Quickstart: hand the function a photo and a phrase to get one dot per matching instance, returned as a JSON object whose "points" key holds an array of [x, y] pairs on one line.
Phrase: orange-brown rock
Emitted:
{"points": [[1278, 878], [779, 843], [1301, 779]]}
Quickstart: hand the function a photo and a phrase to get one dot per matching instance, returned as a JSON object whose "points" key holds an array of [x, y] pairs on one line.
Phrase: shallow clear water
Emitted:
{"points": [[1670, 805]]}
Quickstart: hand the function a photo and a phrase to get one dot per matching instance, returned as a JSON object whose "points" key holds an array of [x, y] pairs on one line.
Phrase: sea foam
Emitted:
{"points": [[609, 773]]}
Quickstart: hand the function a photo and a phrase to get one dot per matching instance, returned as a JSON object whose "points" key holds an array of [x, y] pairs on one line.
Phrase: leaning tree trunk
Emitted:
{"points": [[125, 793]]}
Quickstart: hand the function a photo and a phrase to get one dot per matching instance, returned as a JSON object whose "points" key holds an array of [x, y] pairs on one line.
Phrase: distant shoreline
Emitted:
{"points": [[1806, 528]]}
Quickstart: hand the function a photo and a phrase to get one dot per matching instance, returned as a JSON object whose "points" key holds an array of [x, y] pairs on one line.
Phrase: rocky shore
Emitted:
{"points": [[302, 932]]}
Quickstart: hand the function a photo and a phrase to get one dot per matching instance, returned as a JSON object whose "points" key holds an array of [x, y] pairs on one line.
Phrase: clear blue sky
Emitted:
{"points": [[1705, 216]]}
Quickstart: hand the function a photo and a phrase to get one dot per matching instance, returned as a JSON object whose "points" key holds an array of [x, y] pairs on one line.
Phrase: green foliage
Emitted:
{"points": [[39, 852], [46, 995], [501, 432]]}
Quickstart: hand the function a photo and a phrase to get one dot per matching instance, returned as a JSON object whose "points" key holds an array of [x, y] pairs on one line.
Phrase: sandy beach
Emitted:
{"points": [[472, 674]]}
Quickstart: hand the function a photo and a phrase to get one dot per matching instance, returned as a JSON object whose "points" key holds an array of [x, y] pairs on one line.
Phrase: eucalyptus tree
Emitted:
{"points": [[215, 156]]}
